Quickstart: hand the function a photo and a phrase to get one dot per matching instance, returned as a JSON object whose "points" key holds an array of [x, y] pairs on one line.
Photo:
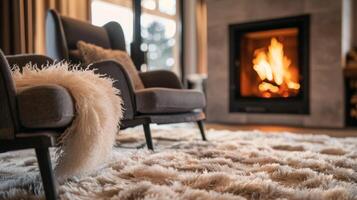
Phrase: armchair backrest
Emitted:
{"points": [[63, 33], [21, 60], [8, 118]]}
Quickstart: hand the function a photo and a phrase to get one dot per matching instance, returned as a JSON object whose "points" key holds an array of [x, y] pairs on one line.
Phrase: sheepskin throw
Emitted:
{"points": [[231, 165], [92, 53], [88, 142]]}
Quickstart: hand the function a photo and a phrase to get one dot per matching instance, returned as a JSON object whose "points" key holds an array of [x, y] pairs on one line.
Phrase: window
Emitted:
{"points": [[160, 38], [159, 28], [104, 11]]}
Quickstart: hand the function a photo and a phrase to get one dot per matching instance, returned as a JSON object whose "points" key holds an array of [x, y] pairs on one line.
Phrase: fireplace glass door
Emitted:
{"points": [[269, 66]]}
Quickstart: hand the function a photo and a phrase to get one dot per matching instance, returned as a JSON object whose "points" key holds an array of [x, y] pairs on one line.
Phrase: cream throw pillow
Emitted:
{"points": [[92, 53]]}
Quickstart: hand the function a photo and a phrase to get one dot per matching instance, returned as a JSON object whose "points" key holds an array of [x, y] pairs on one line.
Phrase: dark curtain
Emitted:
{"points": [[23, 22], [13, 27], [201, 21]]}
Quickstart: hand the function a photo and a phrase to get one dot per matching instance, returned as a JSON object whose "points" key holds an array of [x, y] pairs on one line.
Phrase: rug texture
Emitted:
{"points": [[232, 165], [88, 142]]}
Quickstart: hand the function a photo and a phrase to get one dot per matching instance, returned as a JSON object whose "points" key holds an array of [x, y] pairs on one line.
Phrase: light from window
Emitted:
{"points": [[148, 4], [159, 34], [167, 6], [104, 12]]}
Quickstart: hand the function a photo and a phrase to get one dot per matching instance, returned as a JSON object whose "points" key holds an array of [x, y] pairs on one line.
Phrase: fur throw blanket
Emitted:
{"points": [[88, 142]]}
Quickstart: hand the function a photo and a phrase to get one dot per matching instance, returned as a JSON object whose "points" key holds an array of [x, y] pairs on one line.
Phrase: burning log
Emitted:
{"points": [[273, 68]]}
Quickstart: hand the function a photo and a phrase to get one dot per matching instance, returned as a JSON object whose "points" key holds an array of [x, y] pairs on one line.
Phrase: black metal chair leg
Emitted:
{"points": [[148, 136], [202, 130], [48, 181]]}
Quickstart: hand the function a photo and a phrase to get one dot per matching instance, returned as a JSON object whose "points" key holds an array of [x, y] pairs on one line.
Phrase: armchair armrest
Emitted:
{"points": [[160, 78], [115, 71], [8, 118], [22, 59]]}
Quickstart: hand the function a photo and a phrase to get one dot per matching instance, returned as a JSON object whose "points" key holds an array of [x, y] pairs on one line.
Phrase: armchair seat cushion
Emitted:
{"points": [[166, 100], [45, 106]]}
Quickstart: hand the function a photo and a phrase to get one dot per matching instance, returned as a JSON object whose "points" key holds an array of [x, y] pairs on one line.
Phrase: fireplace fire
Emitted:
{"points": [[269, 66], [271, 72]]}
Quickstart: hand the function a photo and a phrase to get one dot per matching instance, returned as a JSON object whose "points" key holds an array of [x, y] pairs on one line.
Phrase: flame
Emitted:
{"points": [[272, 68]]}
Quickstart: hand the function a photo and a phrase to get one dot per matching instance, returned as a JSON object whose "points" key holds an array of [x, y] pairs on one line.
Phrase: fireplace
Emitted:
{"points": [[269, 66]]}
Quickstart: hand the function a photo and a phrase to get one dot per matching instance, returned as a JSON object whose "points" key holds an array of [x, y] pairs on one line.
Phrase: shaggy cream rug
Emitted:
{"points": [[232, 165]]}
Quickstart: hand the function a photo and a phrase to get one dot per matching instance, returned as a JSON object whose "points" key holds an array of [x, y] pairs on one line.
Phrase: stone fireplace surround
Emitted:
{"points": [[329, 40]]}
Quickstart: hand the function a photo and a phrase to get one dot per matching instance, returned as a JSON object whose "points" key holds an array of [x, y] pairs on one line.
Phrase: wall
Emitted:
{"points": [[326, 79]]}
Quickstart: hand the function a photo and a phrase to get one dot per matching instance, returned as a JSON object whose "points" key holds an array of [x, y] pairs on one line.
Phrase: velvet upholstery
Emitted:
{"points": [[8, 118], [167, 100], [116, 35], [116, 71], [75, 56], [160, 78], [56, 46], [76, 30], [22, 59], [193, 116], [52, 104], [63, 33]]}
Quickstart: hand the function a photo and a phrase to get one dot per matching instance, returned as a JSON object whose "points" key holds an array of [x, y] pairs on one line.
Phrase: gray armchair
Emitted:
{"points": [[33, 117], [162, 101]]}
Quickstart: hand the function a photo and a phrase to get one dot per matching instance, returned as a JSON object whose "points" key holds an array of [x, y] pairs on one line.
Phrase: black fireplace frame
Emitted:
{"points": [[291, 105]]}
